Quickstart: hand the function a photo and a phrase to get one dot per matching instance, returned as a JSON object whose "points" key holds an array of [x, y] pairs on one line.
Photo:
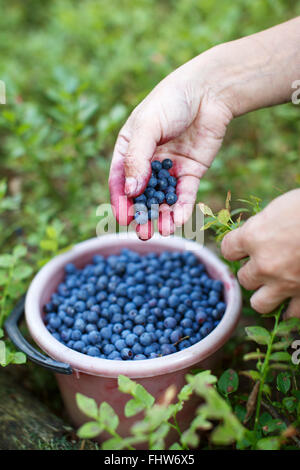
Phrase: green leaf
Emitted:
{"points": [[268, 443], [19, 251], [185, 392], [252, 374], [3, 188], [283, 382], [108, 417], [133, 407], [205, 209], [126, 385], [280, 356], [6, 261], [208, 225], [228, 382], [19, 358], [89, 430], [285, 327], [49, 245], [22, 272], [223, 216], [189, 438], [51, 233], [15, 290], [2, 354], [115, 443], [144, 397], [3, 278], [176, 446], [87, 405], [290, 403], [1, 332], [158, 415], [258, 334]]}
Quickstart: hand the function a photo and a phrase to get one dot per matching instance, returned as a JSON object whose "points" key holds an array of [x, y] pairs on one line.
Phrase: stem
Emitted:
{"points": [[264, 371]]}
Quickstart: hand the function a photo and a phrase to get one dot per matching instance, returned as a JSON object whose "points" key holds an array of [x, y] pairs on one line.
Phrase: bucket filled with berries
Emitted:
{"points": [[116, 305]]}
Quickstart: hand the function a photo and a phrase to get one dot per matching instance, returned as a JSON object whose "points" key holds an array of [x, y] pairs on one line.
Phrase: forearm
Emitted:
{"points": [[255, 71]]}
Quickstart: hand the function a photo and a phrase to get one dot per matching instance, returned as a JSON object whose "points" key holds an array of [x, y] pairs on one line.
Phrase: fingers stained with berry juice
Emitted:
{"points": [[166, 224], [145, 231], [122, 205], [186, 190]]}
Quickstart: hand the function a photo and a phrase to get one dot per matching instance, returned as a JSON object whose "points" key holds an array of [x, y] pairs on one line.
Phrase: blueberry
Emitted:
{"points": [[183, 345], [137, 348], [146, 339], [171, 198], [170, 322], [152, 203], [117, 328], [106, 332], [206, 328], [162, 184], [55, 322], [126, 353], [120, 344], [167, 349], [170, 189], [114, 355], [92, 317], [173, 301], [80, 306], [70, 268], [160, 196], [94, 337], [76, 335], [163, 174], [138, 330], [152, 182], [167, 163], [140, 207], [79, 325], [156, 165], [139, 357], [108, 348], [172, 181], [175, 336], [78, 346], [93, 351], [149, 192], [141, 198]]}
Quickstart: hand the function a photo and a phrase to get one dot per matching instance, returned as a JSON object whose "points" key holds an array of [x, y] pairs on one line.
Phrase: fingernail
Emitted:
{"points": [[130, 186]]}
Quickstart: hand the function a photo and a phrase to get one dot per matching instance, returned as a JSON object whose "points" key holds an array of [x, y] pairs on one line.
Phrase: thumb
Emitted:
{"points": [[144, 136], [293, 309]]}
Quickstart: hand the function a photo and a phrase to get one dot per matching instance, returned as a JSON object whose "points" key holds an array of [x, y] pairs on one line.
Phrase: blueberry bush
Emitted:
{"points": [[73, 72]]}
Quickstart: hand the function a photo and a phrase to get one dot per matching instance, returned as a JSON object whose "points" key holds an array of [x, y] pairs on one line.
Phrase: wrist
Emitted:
{"points": [[253, 72]]}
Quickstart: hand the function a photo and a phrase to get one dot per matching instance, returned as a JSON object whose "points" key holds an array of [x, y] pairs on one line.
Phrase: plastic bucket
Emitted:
{"points": [[96, 377]]}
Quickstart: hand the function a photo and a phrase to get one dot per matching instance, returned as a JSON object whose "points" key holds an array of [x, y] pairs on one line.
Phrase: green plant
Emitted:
{"points": [[161, 416]]}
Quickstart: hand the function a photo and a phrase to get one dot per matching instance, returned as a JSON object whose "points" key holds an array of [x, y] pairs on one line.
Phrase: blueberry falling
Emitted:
{"points": [[161, 188]]}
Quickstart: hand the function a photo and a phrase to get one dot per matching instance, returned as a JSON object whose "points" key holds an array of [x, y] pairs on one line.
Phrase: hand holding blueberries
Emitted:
{"points": [[184, 119]]}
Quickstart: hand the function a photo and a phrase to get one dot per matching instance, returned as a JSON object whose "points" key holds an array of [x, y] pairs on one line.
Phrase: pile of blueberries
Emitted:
{"points": [[161, 188], [131, 307]]}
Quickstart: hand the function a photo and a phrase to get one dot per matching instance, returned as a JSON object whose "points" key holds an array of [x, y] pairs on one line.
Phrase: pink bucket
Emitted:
{"points": [[96, 377]]}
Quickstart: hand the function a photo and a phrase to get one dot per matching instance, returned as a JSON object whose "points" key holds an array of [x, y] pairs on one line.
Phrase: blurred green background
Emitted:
{"points": [[75, 69]]}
